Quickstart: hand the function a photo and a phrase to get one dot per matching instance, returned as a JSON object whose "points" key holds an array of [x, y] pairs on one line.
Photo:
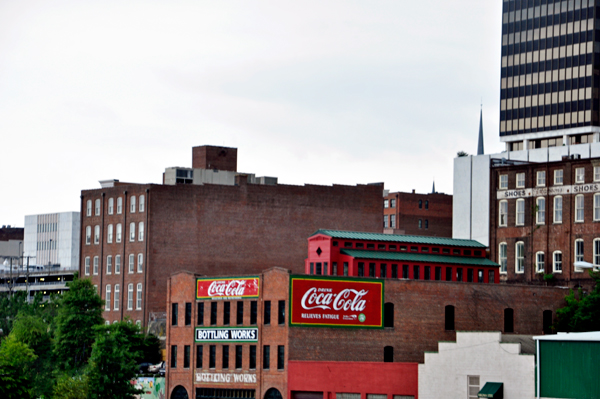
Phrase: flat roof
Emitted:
{"points": [[582, 336], [408, 239], [418, 257]]}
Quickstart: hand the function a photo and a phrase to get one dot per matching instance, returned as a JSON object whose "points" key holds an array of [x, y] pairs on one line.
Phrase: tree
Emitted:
{"points": [[10, 306], [113, 361], [15, 359], [461, 154], [71, 387], [80, 310], [582, 312]]}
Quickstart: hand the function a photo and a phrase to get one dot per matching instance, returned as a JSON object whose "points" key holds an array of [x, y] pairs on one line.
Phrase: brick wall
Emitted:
{"points": [[435, 214], [211, 157]]}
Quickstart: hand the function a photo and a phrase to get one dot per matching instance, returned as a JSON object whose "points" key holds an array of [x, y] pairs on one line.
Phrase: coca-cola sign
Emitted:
{"points": [[336, 302], [227, 288]]}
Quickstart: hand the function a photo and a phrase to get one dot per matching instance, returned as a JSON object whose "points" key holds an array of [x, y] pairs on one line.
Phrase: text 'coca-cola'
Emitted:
{"points": [[230, 288]]}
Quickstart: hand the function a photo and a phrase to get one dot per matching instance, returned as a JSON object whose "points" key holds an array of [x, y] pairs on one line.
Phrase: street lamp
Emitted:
{"points": [[584, 265]]}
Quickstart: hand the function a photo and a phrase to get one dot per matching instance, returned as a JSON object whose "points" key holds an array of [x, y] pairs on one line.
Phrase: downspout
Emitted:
{"points": [[101, 241], [124, 237], [81, 216], [537, 360], [147, 261]]}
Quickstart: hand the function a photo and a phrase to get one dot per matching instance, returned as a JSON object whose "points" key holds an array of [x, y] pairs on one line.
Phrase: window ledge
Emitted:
{"points": [[557, 272]]}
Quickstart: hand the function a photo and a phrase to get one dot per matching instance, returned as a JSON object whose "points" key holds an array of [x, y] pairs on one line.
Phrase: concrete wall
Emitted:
{"points": [[461, 198], [66, 236], [445, 373]]}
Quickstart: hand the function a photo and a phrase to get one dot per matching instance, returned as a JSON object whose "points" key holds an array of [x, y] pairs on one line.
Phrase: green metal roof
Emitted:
{"points": [[416, 257], [492, 390], [358, 235]]}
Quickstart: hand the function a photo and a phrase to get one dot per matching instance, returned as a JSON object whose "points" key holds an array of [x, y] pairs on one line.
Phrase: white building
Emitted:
{"points": [[53, 239], [461, 369]]}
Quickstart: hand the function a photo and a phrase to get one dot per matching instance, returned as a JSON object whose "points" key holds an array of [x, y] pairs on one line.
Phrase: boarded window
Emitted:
{"points": [[388, 315], [509, 322], [449, 318]]}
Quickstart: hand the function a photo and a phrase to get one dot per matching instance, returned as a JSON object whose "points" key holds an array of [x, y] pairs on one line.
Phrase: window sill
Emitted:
{"points": [[557, 272], [523, 272], [579, 221]]}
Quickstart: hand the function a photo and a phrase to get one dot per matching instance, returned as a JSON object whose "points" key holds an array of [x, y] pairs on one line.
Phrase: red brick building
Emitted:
{"points": [[292, 353], [418, 214], [544, 218], [359, 254], [134, 236]]}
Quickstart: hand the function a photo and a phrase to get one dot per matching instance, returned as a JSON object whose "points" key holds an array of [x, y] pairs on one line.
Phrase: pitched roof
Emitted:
{"points": [[359, 235], [416, 257]]}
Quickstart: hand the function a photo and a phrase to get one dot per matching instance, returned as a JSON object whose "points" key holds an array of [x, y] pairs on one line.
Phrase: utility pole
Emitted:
{"points": [[27, 280]]}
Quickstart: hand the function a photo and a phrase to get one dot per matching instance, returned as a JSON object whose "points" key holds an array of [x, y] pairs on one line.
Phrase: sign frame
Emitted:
{"points": [[341, 279], [226, 298], [225, 328]]}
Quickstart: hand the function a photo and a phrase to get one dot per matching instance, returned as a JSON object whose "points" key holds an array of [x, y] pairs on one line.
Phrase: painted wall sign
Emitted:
{"points": [[336, 302], [543, 191], [227, 288], [225, 378], [224, 334]]}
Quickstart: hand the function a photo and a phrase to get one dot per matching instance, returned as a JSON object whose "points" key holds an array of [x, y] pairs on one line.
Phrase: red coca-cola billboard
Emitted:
{"points": [[227, 288], [336, 302]]}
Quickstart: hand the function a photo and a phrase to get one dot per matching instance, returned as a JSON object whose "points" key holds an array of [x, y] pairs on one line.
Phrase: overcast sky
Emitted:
{"points": [[316, 92]]}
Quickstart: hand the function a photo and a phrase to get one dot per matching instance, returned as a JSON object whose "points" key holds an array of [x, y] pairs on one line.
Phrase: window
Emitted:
{"points": [[520, 180], [491, 277], [131, 263], [503, 182], [596, 251], [238, 356], [200, 314], [334, 269], [386, 203], [558, 177], [107, 298], [199, 350], [96, 235], [509, 323], [188, 312], [371, 269], [420, 204], [427, 273], [383, 270], [117, 264], [212, 356], [131, 232], [97, 207], [473, 385], [519, 257], [281, 313], [449, 318], [345, 268], [111, 205], [405, 271], [540, 214], [558, 209], [95, 265], [547, 321], [252, 357], [520, 212], [596, 173], [448, 274], [420, 224], [173, 356], [579, 208], [578, 253], [174, 313], [502, 257], [109, 235], [557, 262], [394, 271], [213, 313], [541, 178], [117, 297], [130, 297], [388, 315], [426, 204], [88, 235], [266, 357], [426, 223], [392, 203], [539, 262], [361, 269], [388, 356], [385, 221], [186, 357], [142, 203], [267, 313], [503, 213], [253, 312], [109, 264], [579, 175], [226, 313], [89, 208], [280, 357], [119, 232], [596, 207], [393, 221], [469, 275], [119, 205], [140, 263], [141, 231], [416, 272], [132, 204], [240, 313]]}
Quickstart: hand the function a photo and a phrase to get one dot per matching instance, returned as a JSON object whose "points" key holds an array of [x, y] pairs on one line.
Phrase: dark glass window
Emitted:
{"points": [[416, 272], [280, 357], [347, 245], [267, 313], [212, 356], [253, 312], [420, 204], [188, 314], [427, 273], [459, 274], [394, 271], [360, 245], [312, 268], [174, 313], [200, 317], [240, 313], [199, 353], [334, 270], [480, 276], [547, 321], [361, 269], [266, 357], [173, 356], [334, 243], [345, 268], [438, 273], [509, 324], [186, 357], [469, 275], [226, 313], [388, 354], [325, 271], [281, 313], [319, 270], [238, 356], [252, 357], [449, 318], [448, 274], [405, 271], [383, 270], [491, 276], [370, 246], [225, 364], [213, 313], [388, 315], [371, 269]]}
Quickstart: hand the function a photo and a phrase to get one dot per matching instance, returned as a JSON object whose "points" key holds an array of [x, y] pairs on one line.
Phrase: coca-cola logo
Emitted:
{"points": [[227, 288], [241, 287], [323, 298]]}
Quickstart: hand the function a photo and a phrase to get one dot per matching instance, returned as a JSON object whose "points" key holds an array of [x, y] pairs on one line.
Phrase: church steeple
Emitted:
{"points": [[480, 141]]}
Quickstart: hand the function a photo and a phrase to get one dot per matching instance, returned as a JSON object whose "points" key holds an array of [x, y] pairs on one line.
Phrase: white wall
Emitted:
{"points": [[67, 237], [444, 374], [461, 198]]}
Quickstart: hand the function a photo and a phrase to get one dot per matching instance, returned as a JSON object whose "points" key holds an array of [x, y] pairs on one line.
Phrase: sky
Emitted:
{"points": [[313, 91]]}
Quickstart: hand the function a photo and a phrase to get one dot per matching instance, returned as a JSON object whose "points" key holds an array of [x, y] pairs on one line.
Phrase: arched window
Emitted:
{"points": [[132, 203], [509, 322], [519, 257], [540, 215], [97, 207], [579, 208], [420, 223], [558, 209], [426, 204], [388, 354], [273, 393], [547, 321], [449, 318], [388, 315], [557, 262], [111, 206], [179, 393], [520, 213], [503, 213], [502, 258], [420, 204]]}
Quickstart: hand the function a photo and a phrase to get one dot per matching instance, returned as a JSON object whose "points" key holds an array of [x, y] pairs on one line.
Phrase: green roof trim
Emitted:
{"points": [[494, 390], [416, 257], [357, 235]]}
